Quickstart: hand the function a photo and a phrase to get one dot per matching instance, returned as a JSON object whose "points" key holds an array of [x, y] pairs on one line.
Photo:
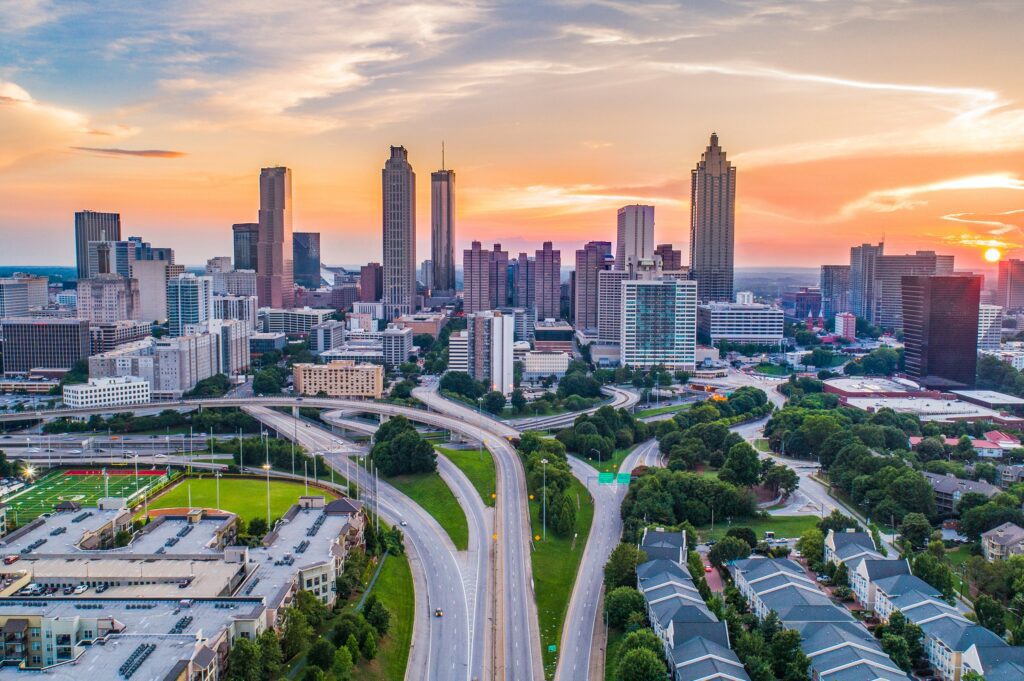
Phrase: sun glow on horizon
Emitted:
{"points": [[993, 255]]}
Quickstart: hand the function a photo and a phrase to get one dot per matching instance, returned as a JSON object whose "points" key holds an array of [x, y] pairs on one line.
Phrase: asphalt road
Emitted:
{"points": [[621, 399]]}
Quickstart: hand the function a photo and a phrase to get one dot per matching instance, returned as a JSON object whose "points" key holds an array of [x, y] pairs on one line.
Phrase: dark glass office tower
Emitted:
{"points": [[940, 327]]}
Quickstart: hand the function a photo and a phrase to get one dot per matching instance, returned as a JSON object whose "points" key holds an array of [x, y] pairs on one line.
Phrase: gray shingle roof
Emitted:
{"points": [[880, 568], [901, 584], [1006, 534]]}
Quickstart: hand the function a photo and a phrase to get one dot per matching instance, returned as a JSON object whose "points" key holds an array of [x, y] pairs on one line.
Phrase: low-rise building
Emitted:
{"points": [[297, 321], [37, 343], [107, 392], [842, 547], [741, 322], [949, 489], [1002, 542], [106, 336], [339, 378], [553, 335], [423, 322], [326, 336], [541, 364], [261, 343], [396, 344]]}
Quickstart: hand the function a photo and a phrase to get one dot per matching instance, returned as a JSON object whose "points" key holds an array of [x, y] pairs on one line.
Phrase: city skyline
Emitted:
{"points": [[864, 145]]}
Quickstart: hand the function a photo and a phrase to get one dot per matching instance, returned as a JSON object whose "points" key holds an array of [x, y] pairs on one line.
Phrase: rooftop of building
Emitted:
{"points": [[932, 409], [989, 398], [950, 484], [868, 385], [1006, 534]]}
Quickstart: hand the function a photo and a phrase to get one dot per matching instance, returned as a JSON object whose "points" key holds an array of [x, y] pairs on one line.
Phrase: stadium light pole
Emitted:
{"points": [[216, 475], [266, 467], [545, 464]]}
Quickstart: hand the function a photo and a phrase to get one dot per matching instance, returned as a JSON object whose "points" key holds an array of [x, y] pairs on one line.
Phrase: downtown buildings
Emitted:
{"points": [[399, 226], [593, 258], [306, 258], [93, 226], [659, 318], [712, 224], [485, 278], [274, 265], [940, 326], [634, 236], [442, 232]]}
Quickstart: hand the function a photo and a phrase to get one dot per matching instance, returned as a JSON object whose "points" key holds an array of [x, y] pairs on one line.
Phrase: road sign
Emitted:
{"points": [[605, 478], [552, 648], [624, 478]]}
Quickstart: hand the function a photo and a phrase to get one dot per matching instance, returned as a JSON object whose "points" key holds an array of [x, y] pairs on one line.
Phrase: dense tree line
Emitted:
{"points": [[207, 421], [597, 436], [398, 449], [879, 362], [561, 506], [214, 386]]}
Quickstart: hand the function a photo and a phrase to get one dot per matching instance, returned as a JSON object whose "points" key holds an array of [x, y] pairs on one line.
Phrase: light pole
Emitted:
{"points": [[544, 462], [295, 434], [266, 467], [598, 457], [216, 476]]}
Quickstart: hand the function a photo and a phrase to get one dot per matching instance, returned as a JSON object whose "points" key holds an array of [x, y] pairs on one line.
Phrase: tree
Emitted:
{"points": [[244, 661], [296, 633], [518, 400], [936, 573], [321, 654], [896, 647], [641, 664], [407, 452], [990, 614], [377, 615], [742, 466], [779, 478], [267, 382], [728, 549], [369, 645], [812, 545], [494, 402], [622, 602], [620, 570], [838, 522], [352, 644], [916, 529], [641, 638], [270, 654], [313, 673], [744, 533], [343, 664], [788, 661]]}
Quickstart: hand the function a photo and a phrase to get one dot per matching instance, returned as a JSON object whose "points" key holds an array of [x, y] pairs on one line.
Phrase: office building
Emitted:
{"points": [[189, 301], [35, 343], [67, 299], [37, 288], [671, 259], [371, 282], [152, 277], [553, 335], [802, 303], [940, 327], [846, 325], [294, 321], [634, 236], [274, 265], [609, 305], [887, 308], [172, 366], [524, 295], [218, 265], [326, 336], [741, 323], [990, 326], [1010, 288], [110, 257], [231, 337], [339, 378], [458, 351], [106, 336], [146, 251], [244, 308], [862, 278], [13, 298], [306, 258], [236, 283], [427, 275], [594, 257], [835, 289], [659, 323], [712, 224], [540, 364], [490, 344], [397, 345], [485, 278], [423, 322], [399, 190], [109, 298], [107, 392], [442, 231], [93, 226], [261, 343], [547, 286], [246, 237]]}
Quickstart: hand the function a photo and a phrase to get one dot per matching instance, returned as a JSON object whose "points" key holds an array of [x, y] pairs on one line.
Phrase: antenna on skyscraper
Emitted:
{"points": [[442, 154]]}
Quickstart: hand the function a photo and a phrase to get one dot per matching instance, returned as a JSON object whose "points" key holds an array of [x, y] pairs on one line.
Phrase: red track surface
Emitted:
{"points": [[114, 471]]}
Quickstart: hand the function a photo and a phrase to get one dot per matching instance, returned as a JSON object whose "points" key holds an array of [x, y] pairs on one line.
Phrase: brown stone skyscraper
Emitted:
{"points": [[671, 259], [485, 278], [275, 285], [712, 224], [371, 282], [547, 282], [591, 259]]}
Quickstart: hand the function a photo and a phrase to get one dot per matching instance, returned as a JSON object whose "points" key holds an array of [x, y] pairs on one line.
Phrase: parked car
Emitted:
{"points": [[81, 589]]}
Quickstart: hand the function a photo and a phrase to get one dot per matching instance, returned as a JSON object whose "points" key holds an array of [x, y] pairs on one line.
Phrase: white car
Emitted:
{"points": [[81, 589]]}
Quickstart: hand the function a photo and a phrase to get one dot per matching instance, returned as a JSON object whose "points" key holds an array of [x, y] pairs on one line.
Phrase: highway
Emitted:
{"points": [[621, 399]]}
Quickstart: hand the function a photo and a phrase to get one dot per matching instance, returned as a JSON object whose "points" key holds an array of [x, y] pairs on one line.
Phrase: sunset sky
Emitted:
{"points": [[847, 121]]}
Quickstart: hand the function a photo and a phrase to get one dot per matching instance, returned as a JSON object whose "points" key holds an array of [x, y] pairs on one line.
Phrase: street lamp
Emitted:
{"points": [[598, 457], [266, 467], [545, 512]]}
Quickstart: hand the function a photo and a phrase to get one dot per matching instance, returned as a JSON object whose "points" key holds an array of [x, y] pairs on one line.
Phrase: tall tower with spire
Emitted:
{"points": [[442, 228], [399, 191], [712, 224]]}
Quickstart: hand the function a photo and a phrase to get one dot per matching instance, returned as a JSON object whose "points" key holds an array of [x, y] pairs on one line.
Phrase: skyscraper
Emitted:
{"points": [[306, 256], [371, 282], [427, 275], [635, 236], [399, 191], [835, 289], [548, 282], [524, 294], [442, 230], [93, 226], [659, 323], [590, 260], [275, 285], [110, 257], [485, 277], [13, 298], [671, 259], [990, 326], [862, 278], [887, 309], [490, 337], [712, 224], [246, 236], [1010, 291], [108, 298], [940, 327], [189, 301]]}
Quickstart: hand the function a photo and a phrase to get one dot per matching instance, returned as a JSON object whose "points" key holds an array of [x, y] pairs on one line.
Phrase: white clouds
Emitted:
{"points": [[561, 199], [906, 198], [22, 15]]}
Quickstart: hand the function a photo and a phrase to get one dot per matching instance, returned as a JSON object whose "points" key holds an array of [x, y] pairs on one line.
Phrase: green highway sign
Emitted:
{"points": [[605, 478], [624, 478], [552, 648]]}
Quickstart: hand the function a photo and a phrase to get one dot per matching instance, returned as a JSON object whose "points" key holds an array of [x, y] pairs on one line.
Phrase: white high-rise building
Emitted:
{"points": [[458, 351], [237, 307], [152, 276], [189, 301], [13, 298], [659, 323], [172, 366], [399, 192], [990, 326], [38, 288], [491, 340], [609, 305], [635, 240], [396, 343]]}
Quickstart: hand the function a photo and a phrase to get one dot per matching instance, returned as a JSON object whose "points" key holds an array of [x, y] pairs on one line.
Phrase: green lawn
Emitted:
{"points": [[656, 411], [433, 495], [478, 467], [957, 558], [610, 465], [394, 588], [784, 526], [555, 562], [773, 370], [611, 653], [244, 496]]}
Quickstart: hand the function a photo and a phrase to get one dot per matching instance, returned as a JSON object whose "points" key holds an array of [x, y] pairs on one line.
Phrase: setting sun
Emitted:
{"points": [[993, 255]]}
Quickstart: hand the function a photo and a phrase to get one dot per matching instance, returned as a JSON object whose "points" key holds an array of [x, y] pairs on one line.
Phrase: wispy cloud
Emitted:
{"points": [[142, 153], [906, 198], [1001, 223], [551, 200]]}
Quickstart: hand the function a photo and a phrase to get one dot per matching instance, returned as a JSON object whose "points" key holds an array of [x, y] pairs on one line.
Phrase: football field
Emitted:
{"points": [[83, 486]]}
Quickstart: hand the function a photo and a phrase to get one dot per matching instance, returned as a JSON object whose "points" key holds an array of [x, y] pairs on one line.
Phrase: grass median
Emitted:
{"points": [[478, 467], [555, 563], [436, 498], [394, 588]]}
